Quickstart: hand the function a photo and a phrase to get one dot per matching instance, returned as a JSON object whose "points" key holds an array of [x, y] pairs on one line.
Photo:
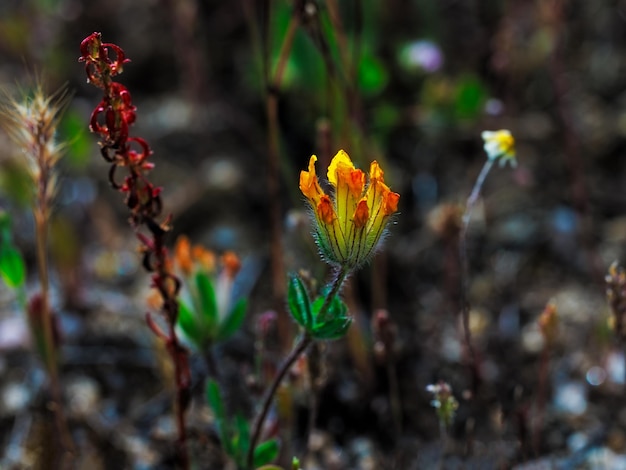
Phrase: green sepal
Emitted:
{"points": [[214, 397], [188, 323], [265, 452], [208, 302], [299, 303], [243, 436], [233, 321], [334, 328], [12, 267]]}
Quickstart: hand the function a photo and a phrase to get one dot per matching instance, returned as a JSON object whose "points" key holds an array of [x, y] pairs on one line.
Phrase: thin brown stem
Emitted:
{"points": [[273, 180], [394, 396], [541, 398], [301, 346], [41, 214]]}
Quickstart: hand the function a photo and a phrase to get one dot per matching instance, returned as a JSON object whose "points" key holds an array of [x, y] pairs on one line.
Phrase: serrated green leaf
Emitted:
{"points": [[265, 452], [188, 323], [299, 302], [233, 321], [334, 328], [208, 302], [12, 267], [214, 397]]}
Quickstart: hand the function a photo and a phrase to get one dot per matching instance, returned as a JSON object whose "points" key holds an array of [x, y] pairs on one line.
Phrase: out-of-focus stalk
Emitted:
{"points": [[31, 123]]}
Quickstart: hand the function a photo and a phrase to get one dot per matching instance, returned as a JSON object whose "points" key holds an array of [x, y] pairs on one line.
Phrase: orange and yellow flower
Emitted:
{"points": [[350, 224]]}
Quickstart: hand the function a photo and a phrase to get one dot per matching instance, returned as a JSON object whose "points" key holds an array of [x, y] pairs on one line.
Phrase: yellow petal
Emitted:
{"points": [[341, 160], [376, 172]]}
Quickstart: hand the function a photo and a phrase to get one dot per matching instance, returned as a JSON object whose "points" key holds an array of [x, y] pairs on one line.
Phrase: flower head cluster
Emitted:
{"points": [[500, 145], [207, 310], [349, 225], [443, 401], [32, 123], [111, 119]]}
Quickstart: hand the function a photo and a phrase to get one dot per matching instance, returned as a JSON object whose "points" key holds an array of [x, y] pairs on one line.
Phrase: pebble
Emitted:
{"points": [[15, 398], [84, 395], [571, 397], [14, 333]]}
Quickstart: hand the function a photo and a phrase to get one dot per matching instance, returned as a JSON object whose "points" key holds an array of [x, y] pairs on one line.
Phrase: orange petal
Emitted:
{"points": [[361, 214], [325, 210], [231, 263], [204, 257], [308, 182], [390, 202], [182, 254]]}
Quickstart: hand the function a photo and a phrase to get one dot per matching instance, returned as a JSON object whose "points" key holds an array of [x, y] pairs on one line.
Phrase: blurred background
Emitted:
{"points": [[411, 83]]}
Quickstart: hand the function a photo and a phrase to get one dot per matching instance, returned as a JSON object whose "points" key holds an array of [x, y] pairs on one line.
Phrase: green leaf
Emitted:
{"points": [[187, 323], [233, 321], [12, 267], [208, 302], [79, 142], [241, 442], [299, 302], [470, 97], [336, 308], [214, 397], [265, 452], [372, 75], [334, 328]]}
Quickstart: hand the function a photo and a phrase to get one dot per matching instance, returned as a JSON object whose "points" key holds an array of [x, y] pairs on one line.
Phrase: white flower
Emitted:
{"points": [[500, 145]]}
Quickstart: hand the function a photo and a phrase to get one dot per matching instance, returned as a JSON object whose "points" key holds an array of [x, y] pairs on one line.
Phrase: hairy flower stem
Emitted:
{"points": [[465, 306], [301, 346]]}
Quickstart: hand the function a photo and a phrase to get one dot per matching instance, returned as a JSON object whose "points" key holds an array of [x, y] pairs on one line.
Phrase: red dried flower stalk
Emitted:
{"points": [[111, 119]]}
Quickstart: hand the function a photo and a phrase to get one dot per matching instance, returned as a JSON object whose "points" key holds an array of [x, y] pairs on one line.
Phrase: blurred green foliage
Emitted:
{"points": [[235, 433]]}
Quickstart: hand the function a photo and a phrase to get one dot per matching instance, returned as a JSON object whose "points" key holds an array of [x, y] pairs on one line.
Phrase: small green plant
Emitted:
{"points": [[207, 312], [235, 433], [348, 229], [445, 405]]}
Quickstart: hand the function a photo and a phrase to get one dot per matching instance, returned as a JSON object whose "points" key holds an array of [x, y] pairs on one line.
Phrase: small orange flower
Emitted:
{"points": [[350, 224], [182, 255], [231, 264]]}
